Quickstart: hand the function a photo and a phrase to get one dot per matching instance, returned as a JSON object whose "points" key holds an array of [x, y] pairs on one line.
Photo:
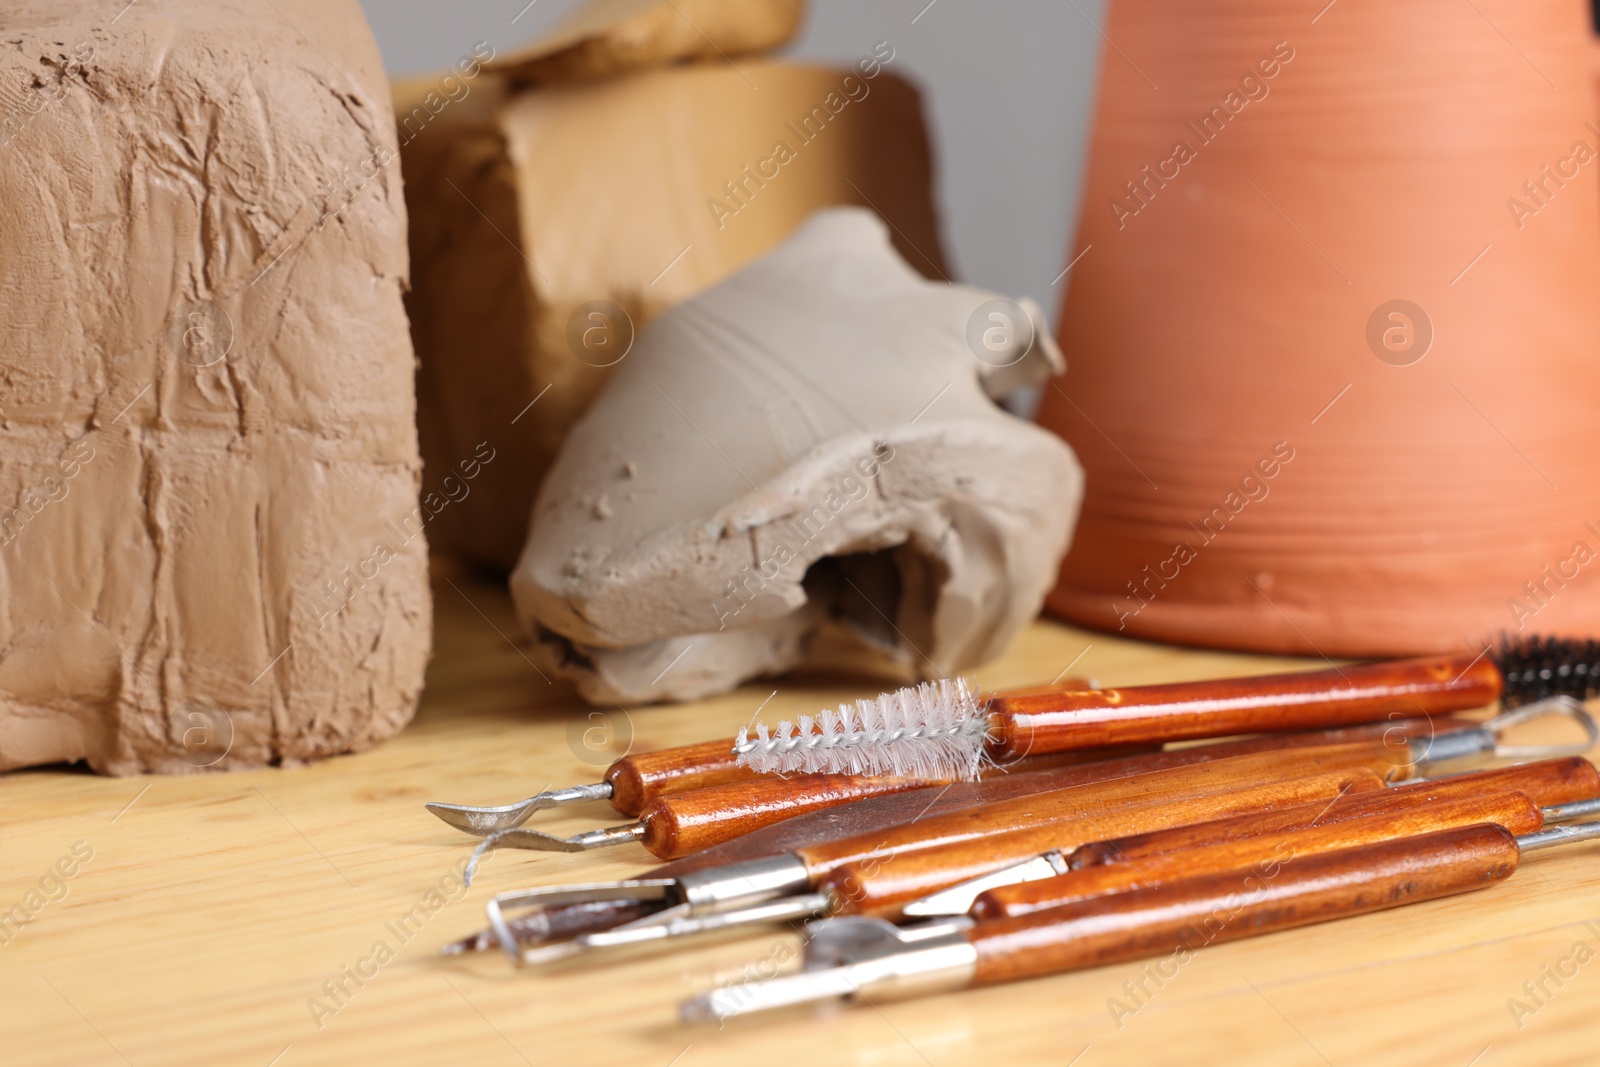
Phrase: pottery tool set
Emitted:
{"points": [[935, 837]]}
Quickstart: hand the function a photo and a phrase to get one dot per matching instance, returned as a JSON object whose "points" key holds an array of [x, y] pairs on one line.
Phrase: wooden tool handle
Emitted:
{"points": [[1050, 722], [1265, 855], [1081, 801], [639, 778], [1546, 783], [884, 883], [637, 781], [1181, 917], [682, 823]]}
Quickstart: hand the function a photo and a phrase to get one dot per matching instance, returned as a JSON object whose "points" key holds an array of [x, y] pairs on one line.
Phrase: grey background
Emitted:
{"points": [[1007, 87]]}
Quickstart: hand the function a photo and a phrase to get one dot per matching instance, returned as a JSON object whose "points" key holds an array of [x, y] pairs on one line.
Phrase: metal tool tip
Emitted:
{"points": [[488, 820], [477, 821], [535, 840], [697, 1011], [475, 943], [522, 837], [560, 950]]}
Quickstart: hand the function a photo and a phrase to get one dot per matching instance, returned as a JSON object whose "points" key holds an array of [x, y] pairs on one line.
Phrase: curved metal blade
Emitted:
{"points": [[543, 842], [483, 821]]}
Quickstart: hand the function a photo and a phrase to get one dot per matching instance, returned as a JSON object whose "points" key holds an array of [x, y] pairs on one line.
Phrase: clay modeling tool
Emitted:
{"points": [[1216, 789], [681, 823], [947, 729], [1267, 853], [945, 879], [872, 958], [888, 890], [631, 783], [893, 809]]}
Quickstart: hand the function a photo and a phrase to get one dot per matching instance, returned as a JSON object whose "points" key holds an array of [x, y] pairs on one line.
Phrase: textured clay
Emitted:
{"points": [[210, 548], [1334, 335], [804, 464], [609, 37], [550, 225]]}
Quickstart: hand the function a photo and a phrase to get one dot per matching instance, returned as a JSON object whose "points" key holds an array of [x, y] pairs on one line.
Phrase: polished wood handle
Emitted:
{"points": [[883, 885], [1265, 855], [1369, 692], [639, 778], [682, 823], [1546, 783], [1081, 801], [1181, 917]]}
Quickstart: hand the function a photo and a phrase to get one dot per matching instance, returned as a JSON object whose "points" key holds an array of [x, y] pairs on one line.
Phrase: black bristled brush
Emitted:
{"points": [[1534, 668]]}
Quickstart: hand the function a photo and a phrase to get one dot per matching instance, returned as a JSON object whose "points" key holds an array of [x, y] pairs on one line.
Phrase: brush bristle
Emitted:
{"points": [[933, 731], [1538, 667]]}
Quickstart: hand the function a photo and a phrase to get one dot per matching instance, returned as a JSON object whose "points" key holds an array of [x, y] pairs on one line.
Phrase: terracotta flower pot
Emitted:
{"points": [[1334, 335]]}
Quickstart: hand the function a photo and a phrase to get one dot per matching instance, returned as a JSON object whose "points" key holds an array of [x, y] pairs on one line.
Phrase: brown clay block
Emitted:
{"points": [[206, 408], [526, 205], [609, 37]]}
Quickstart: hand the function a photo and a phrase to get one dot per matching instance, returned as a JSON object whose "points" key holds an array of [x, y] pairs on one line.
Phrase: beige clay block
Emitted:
{"points": [[210, 554], [526, 206], [604, 38], [803, 465]]}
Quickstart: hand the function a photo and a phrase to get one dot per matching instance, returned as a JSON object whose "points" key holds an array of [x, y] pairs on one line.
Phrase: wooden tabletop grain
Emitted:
{"points": [[293, 916]]}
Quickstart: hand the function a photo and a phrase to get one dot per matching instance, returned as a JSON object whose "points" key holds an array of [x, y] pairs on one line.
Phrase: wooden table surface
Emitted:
{"points": [[216, 911]]}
